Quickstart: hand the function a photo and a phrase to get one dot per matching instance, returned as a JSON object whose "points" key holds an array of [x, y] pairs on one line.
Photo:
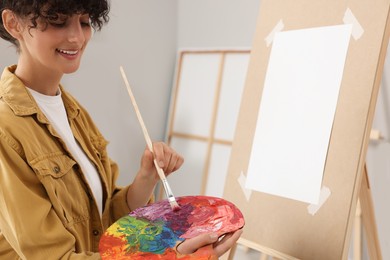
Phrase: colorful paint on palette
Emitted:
{"points": [[153, 231]]}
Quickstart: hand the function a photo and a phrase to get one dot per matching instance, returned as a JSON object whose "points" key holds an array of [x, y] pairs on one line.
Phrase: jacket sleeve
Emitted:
{"points": [[28, 221], [118, 204]]}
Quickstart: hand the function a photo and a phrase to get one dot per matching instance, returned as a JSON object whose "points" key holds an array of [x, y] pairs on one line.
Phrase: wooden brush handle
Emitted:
{"points": [[149, 143]]}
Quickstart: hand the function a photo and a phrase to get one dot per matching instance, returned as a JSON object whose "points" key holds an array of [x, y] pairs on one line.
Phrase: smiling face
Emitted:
{"points": [[50, 37], [55, 46]]}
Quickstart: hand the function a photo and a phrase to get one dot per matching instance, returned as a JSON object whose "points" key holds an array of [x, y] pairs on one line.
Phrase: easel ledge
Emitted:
{"points": [[263, 249]]}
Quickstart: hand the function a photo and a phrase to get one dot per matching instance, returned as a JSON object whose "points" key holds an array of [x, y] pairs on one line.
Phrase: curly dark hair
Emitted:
{"points": [[51, 10]]}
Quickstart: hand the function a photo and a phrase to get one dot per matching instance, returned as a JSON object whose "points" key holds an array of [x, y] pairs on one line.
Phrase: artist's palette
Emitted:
{"points": [[153, 231]]}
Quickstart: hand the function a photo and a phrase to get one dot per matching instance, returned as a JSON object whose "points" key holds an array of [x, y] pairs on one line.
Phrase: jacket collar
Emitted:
{"points": [[19, 99]]}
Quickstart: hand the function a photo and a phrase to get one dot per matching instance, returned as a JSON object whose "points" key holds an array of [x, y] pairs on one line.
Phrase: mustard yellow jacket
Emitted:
{"points": [[47, 210]]}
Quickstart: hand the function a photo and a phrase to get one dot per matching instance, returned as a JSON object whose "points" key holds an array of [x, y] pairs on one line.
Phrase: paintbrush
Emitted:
{"points": [[171, 198]]}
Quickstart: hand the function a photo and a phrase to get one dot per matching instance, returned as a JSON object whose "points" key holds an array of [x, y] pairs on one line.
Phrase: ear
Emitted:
{"points": [[12, 24]]}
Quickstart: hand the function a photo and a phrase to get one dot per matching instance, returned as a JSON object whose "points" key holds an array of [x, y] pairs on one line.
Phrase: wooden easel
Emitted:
{"points": [[285, 225], [365, 212]]}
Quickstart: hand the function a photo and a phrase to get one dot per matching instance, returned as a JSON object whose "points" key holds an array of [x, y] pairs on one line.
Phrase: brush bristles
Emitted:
{"points": [[174, 205]]}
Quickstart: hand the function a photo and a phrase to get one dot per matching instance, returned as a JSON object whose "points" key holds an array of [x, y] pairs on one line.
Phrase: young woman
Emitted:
{"points": [[57, 183]]}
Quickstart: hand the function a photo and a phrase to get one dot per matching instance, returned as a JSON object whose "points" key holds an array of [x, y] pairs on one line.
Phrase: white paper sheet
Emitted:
{"points": [[297, 111]]}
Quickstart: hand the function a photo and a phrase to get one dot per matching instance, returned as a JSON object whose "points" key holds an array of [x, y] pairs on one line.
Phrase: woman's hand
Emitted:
{"points": [[166, 157], [218, 246], [141, 190]]}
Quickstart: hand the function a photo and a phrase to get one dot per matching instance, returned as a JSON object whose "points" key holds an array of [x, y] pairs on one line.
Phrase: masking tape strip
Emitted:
{"points": [[242, 180], [269, 39], [324, 195], [375, 135], [357, 29]]}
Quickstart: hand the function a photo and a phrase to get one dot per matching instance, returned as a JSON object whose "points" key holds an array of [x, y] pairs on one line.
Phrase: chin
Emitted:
{"points": [[71, 70]]}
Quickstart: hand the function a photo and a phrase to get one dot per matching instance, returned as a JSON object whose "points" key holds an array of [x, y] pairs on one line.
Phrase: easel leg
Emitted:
{"points": [[368, 218], [263, 256], [230, 254], [357, 233]]}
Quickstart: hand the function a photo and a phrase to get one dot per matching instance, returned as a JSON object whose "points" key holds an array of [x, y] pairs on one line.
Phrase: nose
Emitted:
{"points": [[76, 34]]}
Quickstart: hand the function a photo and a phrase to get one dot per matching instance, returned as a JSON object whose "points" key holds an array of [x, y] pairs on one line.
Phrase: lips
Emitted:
{"points": [[68, 52]]}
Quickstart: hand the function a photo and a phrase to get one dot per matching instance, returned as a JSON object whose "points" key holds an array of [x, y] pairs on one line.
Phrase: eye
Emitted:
{"points": [[58, 24], [85, 23], [85, 20]]}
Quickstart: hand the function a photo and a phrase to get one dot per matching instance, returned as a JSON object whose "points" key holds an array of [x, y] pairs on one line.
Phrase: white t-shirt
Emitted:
{"points": [[54, 109]]}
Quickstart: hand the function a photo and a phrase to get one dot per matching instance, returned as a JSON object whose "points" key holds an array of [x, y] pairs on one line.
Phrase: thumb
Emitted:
{"points": [[147, 159], [189, 246]]}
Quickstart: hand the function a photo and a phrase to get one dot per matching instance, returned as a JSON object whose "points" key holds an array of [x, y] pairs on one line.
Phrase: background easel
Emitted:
{"points": [[202, 130]]}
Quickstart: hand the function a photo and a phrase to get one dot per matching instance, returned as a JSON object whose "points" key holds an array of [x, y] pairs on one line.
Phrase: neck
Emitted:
{"points": [[43, 80]]}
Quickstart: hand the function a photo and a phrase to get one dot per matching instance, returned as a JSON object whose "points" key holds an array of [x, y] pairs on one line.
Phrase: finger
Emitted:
{"points": [[170, 165], [168, 160], [147, 160], [175, 163], [158, 150], [179, 162], [227, 242], [191, 245]]}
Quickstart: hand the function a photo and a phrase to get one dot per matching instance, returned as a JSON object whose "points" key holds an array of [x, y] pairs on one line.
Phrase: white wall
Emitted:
{"points": [[216, 23], [8, 54]]}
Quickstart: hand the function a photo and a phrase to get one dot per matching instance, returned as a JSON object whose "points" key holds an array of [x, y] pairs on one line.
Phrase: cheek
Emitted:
{"points": [[34, 45], [88, 35], [46, 41]]}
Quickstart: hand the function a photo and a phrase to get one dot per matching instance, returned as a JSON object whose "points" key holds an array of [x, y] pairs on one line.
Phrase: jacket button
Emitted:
{"points": [[56, 169], [95, 232]]}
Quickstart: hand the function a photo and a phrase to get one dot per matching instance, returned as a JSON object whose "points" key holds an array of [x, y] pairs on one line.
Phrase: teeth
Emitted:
{"points": [[68, 52]]}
